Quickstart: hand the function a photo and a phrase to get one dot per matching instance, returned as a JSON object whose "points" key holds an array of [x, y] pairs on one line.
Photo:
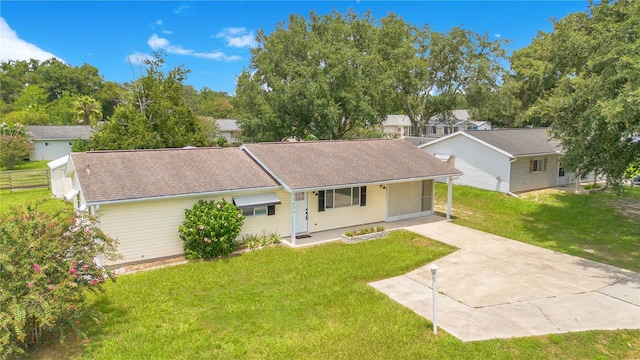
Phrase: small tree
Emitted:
{"points": [[210, 229], [16, 145], [47, 265]]}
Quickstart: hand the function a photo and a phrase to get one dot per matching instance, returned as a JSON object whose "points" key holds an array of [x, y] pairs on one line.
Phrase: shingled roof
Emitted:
{"points": [[321, 164], [109, 176], [60, 132], [520, 142]]}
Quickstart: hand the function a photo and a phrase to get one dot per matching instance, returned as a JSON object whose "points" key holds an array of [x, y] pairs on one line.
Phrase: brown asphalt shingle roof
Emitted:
{"points": [[60, 132], [318, 164], [137, 174], [519, 142]]}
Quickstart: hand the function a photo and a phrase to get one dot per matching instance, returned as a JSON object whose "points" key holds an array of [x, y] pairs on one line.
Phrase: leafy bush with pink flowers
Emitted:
{"points": [[210, 229], [47, 266]]}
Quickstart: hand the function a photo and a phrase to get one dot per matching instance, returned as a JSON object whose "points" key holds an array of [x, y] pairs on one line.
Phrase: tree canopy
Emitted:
{"points": [[153, 114], [583, 79], [319, 77], [332, 75]]}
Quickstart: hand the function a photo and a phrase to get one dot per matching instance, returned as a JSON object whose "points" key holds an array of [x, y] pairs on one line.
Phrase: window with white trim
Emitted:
{"points": [[342, 197], [537, 165]]}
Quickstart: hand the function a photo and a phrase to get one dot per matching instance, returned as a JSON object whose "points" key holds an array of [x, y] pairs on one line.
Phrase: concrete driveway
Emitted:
{"points": [[495, 287]]}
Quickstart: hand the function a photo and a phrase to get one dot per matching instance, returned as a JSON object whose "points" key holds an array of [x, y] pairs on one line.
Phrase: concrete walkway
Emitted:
{"points": [[495, 287]]}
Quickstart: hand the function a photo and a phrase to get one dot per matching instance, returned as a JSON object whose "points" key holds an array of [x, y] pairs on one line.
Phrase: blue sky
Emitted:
{"points": [[213, 38]]}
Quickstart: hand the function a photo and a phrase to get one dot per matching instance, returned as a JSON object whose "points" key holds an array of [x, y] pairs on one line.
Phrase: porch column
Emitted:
{"points": [[449, 196], [293, 218]]}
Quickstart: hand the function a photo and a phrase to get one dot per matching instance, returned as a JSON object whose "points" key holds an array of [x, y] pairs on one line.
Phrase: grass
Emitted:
{"points": [[603, 227], [40, 164], [10, 199], [280, 303], [315, 303]]}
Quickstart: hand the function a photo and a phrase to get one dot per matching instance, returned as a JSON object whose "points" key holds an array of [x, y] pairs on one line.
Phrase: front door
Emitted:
{"points": [[302, 213]]}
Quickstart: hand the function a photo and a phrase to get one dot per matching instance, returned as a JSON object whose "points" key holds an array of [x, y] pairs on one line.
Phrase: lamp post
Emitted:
{"points": [[434, 269]]}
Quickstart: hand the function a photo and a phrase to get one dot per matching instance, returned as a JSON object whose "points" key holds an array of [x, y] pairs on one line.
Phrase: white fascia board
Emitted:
{"points": [[265, 167], [165, 197]]}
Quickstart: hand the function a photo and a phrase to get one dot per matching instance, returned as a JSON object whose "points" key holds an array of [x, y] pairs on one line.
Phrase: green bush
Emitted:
{"points": [[210, 229], [15, 142], [47, 265], [592, 186]]}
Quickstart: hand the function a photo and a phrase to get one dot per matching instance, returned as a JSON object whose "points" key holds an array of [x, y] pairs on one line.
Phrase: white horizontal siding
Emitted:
{"points": [[483, 167], [279, 223], [149, 229], [336, 218], [55, 149], [524, 180]]}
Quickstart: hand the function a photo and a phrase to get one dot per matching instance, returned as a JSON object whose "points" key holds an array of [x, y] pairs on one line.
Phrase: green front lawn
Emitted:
{"points": [[315, 303], [604, 227], [280, 303]]}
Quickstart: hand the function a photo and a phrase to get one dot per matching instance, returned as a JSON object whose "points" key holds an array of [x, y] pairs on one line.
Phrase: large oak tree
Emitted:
{"points": [[317, 78], [583, 79]]}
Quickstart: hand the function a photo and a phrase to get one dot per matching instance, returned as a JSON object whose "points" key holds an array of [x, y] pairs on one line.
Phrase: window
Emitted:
{"points": [[537, 165], [342, 197], [256, 211], [257, 205]]}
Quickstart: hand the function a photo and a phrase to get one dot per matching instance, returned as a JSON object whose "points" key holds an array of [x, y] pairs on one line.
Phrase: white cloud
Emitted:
{"points": [[138, 58], [14, 48], [157, 43], [217, 55], [168, 32], [497, 35], [182, 9], [159, 22], [238, 37]]}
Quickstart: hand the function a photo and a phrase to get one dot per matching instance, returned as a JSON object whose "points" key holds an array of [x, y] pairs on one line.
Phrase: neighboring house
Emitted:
{"points": [[437, 126], [448, 123], [228, 128], [505, 160], [396, 125], [291, 188], [53, 142]]}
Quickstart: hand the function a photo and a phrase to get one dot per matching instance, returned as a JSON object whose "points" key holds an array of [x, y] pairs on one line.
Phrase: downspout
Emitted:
{"points": [[293, 218], [509, 182]]}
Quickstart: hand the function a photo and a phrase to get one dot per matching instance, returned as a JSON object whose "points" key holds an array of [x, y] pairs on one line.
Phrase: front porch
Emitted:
{"points": [[322, 237]]}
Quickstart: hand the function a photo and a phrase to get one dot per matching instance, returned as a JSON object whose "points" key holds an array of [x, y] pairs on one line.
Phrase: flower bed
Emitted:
{"points": [[352, 237]]}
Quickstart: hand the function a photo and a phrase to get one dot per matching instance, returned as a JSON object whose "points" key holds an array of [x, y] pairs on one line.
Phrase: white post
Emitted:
{"points": [[293, 218], [449, 196], [434, 269]]}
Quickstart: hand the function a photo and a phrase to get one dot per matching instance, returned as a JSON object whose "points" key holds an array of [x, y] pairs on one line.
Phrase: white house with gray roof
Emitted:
{"points": [[504, 160], [229, 129], [290, 188], [53, 142]]}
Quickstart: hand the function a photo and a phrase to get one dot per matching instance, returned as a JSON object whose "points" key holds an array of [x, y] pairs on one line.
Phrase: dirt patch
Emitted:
{"points": [[134, 268], [627, 207], [420, 241]]}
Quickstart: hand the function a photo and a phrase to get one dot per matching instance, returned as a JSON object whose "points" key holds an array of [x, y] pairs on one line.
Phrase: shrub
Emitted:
{"points": [[364, 231], [210, 229], [252, 241], [16, 145], [221, 141], [47, 265], [592, 186]]}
